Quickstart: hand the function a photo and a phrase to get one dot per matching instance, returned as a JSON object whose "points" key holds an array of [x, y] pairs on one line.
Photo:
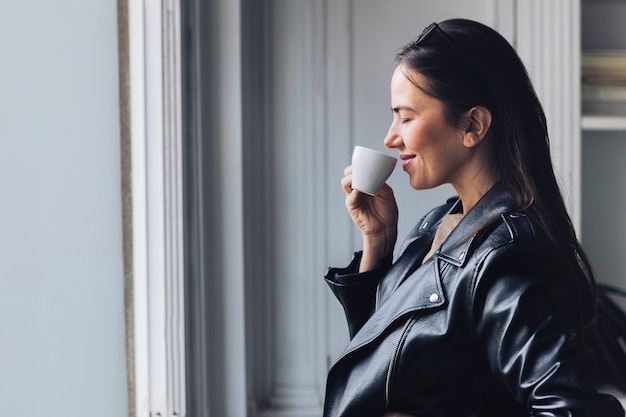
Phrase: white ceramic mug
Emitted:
{"points": [[370, 169]]}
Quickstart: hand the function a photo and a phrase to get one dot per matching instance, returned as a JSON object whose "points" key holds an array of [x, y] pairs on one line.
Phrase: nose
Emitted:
{"points": [[393, 139]]}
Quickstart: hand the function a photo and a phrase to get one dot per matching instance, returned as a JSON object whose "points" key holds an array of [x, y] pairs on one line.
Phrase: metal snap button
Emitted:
{"points": [[461, 255], [434, 298]]}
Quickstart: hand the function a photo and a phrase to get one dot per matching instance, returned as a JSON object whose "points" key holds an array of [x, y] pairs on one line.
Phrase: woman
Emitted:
{"points": [[484, 311]]}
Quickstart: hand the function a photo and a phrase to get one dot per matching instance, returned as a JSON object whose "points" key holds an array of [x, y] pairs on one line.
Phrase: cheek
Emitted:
{"points": [[421, 137]]}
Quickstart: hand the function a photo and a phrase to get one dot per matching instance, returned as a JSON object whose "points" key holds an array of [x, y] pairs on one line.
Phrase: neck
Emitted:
{"points": [[471, 191], [477, 178]]}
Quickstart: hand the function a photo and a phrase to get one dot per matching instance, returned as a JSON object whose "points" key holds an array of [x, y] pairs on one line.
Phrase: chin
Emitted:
{"points": [[420, 187]]}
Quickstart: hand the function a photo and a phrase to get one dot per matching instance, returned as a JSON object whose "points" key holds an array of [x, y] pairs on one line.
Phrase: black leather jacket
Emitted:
{"points": [[490, 325]]}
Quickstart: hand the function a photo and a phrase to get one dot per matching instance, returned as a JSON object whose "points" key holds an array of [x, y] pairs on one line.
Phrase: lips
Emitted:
{"points": [[407, 160]]}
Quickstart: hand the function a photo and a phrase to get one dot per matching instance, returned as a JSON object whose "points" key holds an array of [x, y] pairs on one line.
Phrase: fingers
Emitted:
{"points": [[346, 181], [346, 184], [353, 200], [352, 196]]}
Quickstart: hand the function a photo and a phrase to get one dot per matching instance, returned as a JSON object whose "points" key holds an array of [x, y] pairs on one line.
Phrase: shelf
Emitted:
{"points": [[606, 123]]}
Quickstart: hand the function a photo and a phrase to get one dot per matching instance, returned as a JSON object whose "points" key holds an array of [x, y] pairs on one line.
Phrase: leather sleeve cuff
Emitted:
{"points": [[357, 291], [350, 274]]}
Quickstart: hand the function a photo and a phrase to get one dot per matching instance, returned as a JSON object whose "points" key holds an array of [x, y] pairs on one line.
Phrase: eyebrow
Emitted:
{"points": [[398, 108]]}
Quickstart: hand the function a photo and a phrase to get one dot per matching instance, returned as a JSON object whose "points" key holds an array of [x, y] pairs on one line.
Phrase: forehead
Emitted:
{"points": [[407, 85]]}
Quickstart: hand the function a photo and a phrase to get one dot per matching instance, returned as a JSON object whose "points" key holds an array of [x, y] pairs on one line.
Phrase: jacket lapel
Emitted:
{"points": [[414, 248], [421, 290]]}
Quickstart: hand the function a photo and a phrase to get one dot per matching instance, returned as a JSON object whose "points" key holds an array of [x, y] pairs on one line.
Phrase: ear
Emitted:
{"points": [[479, 123]]}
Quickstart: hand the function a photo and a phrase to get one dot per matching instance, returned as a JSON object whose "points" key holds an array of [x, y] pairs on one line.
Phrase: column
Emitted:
{"points": [[548, 41]]}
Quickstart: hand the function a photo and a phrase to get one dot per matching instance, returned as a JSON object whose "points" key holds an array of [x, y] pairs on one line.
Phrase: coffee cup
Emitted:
{"points": [[370, 169]]}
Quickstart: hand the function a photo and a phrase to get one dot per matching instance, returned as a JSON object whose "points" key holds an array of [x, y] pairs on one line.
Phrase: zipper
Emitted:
{"points": [[392, 362], [444, 268], [405, 328]]}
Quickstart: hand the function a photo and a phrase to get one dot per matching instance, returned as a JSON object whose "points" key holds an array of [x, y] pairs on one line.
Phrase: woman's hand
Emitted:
{"points": [[376, 217]]}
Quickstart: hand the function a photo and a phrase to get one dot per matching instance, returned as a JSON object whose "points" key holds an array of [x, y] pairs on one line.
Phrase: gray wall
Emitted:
{"points": [[603, 168], [61, 274], [604, 199]]}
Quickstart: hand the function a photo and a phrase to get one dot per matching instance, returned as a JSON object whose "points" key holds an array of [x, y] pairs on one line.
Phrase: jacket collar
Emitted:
{"points": [[493, 204], [423, 288]]}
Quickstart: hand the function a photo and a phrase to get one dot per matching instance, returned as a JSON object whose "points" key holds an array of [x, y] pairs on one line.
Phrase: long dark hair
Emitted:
{"points": [[468, 64]]}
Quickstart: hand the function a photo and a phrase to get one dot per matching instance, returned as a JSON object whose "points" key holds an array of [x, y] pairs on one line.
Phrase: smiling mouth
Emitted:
{"points": [[407, 159]]}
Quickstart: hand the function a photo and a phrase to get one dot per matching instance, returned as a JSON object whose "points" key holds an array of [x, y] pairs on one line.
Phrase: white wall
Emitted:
{"points": [[61, 274]]}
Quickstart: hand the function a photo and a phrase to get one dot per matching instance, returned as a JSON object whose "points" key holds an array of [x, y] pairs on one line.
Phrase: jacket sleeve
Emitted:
{"points": [[526, 319], [357, 291]]}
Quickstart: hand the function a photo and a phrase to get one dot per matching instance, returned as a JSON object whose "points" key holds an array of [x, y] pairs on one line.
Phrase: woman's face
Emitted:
{"points": [[431, 149]]}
